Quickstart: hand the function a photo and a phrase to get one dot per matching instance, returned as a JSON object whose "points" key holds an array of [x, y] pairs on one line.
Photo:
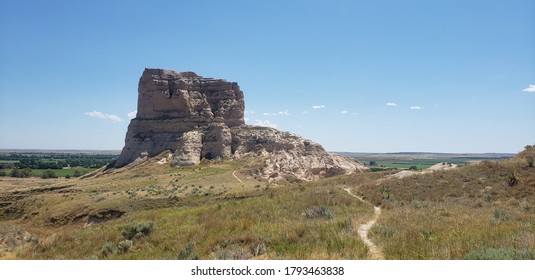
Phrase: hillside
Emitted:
{"points": [[220, 210]]}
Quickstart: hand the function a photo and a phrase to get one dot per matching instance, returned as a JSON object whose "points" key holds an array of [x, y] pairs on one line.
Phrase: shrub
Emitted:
{"points": [[530, 162], [124, 246], [21, 173], [500, 215], [419, 204], [108, 248], [77, 173], [137, 229], [186, 253], [317, 212], [258, 250], [48, 174], [385, 192]]}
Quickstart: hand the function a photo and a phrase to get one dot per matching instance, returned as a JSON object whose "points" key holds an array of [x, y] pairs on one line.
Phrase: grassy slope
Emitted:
{"points": [[198, 212], [204, 212], [470, 212]]}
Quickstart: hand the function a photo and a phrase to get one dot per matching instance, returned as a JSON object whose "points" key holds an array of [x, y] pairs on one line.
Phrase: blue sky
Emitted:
{"points": [[361, 76]]}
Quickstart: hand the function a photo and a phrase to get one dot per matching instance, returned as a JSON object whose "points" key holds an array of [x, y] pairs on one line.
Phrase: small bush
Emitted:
{"points": [[124, 246], [385, 192], [419, 204], [187, 253], [49, 174], [137, 229], [258, 250], [318, 212], [108, 248], [500, 215], [488, 197]]}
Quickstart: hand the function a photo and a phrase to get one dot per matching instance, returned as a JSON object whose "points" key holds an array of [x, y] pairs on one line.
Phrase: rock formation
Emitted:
{"points": [[202, 118]]}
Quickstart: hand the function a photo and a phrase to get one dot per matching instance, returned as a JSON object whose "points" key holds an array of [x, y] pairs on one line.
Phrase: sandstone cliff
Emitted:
{"points": [[202, 118]]}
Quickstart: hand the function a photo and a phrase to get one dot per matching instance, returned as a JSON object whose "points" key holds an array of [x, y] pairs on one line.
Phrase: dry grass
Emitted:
{"points": [[197, 212], [453, 214], [203, 212], [268, 226]]}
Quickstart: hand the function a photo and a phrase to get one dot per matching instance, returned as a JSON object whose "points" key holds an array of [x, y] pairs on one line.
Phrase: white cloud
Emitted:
{"points": [[416, 107], [284, 113], [266, 123], [318, 106], [249, 112], [531, 88], [280, 113], [246, 119], [344, 112], [391, 104], [132, 114], [100, 115]]}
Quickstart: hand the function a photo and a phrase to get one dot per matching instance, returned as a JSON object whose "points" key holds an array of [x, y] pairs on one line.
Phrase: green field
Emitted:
{"points": [[387, 163], [423, 161], [58, 172]]}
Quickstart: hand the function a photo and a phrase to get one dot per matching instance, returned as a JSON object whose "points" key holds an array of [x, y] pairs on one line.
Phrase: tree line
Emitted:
{"points": [[53, 160]]}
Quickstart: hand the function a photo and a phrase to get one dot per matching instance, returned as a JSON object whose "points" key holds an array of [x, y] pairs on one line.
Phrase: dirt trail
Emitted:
{"points": [[375, 251], [234, 174]]}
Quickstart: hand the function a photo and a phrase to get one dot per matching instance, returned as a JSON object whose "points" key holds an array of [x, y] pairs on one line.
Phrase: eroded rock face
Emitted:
{"points": [[287, 154], [172, 103], [202, 118]]}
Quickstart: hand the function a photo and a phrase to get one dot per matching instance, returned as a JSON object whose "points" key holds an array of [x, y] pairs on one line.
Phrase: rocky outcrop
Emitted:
{"points": [[171, 104], [202, 118], [287, 154]]}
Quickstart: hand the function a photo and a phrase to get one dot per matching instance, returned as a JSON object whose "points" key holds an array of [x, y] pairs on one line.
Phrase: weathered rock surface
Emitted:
{"points": [[172, 103], [202, 118]]}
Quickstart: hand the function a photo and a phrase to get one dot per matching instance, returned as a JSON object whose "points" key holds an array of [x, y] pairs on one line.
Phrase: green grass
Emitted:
{"points": [[58, 172], [8, 161], [420, 163]]}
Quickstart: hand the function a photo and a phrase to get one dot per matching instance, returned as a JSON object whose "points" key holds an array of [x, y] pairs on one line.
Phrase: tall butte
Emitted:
{"points": [[202, 118]]}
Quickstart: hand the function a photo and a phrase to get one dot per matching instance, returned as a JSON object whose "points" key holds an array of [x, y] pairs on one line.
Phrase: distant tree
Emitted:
{"points": [[26, 172], [21, 173], [77, 173], [373, 163], [15, 172], [413, 167], [49, 174], [67, 176]]}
